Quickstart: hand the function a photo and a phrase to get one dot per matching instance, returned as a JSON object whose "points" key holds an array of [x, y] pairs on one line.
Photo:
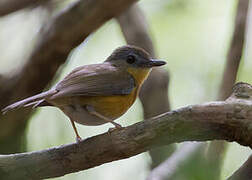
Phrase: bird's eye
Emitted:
{"points": [[131, 59]]}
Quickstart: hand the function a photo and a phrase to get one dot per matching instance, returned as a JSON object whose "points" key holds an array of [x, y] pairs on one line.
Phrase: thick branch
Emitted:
{"points": [[154, 93], [9, 6], [235, 51], [155, 89], [217, 149], [135, 29], [245, 171], [229, 120]]}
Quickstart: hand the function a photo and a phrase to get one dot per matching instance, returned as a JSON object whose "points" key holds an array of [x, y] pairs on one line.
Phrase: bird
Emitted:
{"points": [[96, 94]]}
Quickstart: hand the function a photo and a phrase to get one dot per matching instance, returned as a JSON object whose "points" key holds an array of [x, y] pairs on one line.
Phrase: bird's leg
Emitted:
{"points": [[91, 110], [78, 138]]}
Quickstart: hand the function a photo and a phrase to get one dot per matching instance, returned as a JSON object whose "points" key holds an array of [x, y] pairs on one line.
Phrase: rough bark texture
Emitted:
{"points": [[217, 149], [154, 93], [235, 51], [63, 33], [229, 120], [245, 171]]}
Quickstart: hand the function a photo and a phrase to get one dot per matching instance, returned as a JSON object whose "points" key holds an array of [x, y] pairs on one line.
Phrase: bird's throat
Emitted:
{"points": [[139, 74]]}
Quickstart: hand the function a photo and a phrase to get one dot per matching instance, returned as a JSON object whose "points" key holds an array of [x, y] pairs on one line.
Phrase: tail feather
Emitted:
{"points": [[34, 100]]}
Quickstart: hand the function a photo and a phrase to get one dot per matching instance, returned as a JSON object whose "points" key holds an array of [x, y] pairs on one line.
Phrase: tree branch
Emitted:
{"points": [[135, 29], [154, 92], [217, 149], [235, 50], [229, 120], [9, 6]]}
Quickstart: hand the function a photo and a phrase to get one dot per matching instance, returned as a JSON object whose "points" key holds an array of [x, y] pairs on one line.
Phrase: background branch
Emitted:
{"points": [[217, 149], [235, 51], [229, 120], [154, 93], [9, 6], [167, 169]]}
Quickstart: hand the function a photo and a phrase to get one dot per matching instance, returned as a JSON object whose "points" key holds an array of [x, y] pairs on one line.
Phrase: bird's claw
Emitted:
{"points": [[78, 139], [117, 127]]}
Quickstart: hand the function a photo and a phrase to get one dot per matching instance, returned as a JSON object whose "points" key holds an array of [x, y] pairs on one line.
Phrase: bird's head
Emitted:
{"points": [[133, 57]]}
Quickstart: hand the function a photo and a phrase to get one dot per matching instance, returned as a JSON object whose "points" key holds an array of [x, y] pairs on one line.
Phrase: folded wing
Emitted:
{"points": [[95, 80]]}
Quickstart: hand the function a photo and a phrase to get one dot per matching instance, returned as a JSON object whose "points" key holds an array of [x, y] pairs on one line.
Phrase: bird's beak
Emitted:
{"points": [[155, 62]]}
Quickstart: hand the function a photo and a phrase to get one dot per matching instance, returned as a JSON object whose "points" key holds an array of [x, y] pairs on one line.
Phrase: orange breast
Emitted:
{"points": [[139, 74], [110, 106], [115, 106]]}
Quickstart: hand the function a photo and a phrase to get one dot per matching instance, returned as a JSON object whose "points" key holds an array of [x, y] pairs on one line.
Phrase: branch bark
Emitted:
{"points": [[154, 93], [235, 50], [229, 120], [10, 6], [217, 149], [57, 38]]}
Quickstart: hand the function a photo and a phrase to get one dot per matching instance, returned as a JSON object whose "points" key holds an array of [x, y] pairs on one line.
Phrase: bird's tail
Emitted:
{"points": [[30, 101]]}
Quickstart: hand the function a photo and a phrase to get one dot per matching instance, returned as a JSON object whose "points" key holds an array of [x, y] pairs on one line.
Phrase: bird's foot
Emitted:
{"points": [[117, 127], [78, 139]]}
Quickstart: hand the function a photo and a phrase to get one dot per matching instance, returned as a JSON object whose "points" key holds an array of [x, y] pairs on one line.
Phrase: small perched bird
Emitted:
{"points": [[98, 93]]}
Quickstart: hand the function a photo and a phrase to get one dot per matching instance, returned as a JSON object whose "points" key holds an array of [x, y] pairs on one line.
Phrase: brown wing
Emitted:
{"points": [[95, 80]]}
